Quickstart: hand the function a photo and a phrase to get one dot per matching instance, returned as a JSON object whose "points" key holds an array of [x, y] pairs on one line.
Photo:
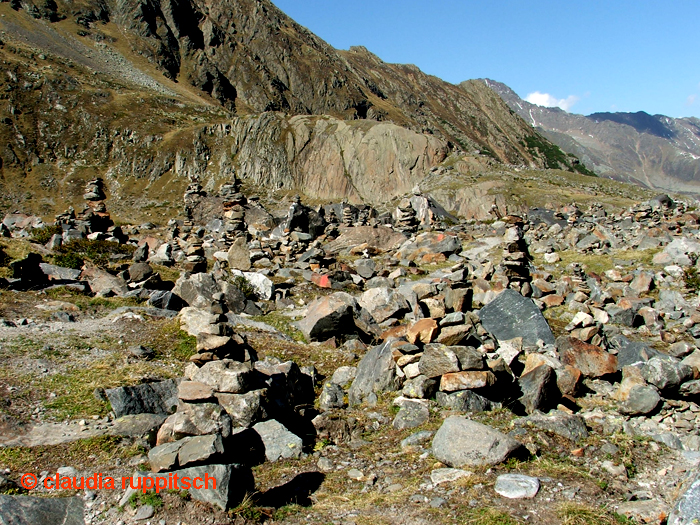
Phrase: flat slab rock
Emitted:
{"points": [[50, 434], [279, 442], [511, 315], [517, 486], [148, 398], [28, 510]]}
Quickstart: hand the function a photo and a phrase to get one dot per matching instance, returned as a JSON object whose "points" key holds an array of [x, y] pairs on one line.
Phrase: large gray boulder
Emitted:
{"points": [[383, 303], [227, 375], [244, 409], [461, 442], [511, 315], [666, 374], [438, 359], [539, 389], [195, 419], [196, 289], [238, 256], [28, 510], [148, 398], [279, 442], [630, 352], [465, 401], [376, 373], [329, 316]]}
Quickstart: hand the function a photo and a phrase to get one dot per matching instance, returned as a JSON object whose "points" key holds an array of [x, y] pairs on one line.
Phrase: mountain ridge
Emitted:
{"points": [[150, 93], [656, 151]]}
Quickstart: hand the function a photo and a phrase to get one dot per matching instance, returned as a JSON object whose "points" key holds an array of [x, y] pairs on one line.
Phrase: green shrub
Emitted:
{"points": [[691, 278], [245, 287], [43, 235], [74, 253]]}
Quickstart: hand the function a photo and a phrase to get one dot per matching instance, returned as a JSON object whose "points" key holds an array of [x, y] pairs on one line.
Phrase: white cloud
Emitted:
{"points": [[690, 100], [547, 100]]}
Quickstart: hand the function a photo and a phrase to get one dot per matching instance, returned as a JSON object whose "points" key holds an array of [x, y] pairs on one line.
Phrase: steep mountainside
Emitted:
{"points": [[653, 150], [148, 92]]}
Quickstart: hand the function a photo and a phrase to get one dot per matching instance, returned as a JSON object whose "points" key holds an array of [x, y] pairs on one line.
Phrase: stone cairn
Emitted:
{"points": [[331, 231], [363, 218], [295, 228], [234, 211], [406, 221], [195, 260], [347, 216], [95, 212], [93, 222], [516, 257], [579, 278], [223, 343], [192, 197], [574, 215]]}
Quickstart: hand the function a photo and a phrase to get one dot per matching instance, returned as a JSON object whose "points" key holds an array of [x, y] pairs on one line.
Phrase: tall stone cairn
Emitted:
{"points": [[347, 216], [95, 212], [516, 257], [192, 196], [234, 211], [406, 220]]}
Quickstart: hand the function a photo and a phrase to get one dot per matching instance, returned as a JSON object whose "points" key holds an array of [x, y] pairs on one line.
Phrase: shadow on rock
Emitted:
{"points": [[296, 491]]}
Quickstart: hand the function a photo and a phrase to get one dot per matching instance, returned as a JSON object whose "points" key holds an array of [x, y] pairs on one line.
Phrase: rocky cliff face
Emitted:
{"points": [[653, 150], [147, 92]]}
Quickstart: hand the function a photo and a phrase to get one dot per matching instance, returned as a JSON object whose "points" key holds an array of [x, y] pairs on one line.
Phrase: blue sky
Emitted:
{"points": [[585, 56]]}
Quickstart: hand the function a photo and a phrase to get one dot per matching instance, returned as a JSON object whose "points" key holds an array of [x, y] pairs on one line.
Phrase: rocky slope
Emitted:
{"points": [[536, 369], [653, 150], [149, 93]]}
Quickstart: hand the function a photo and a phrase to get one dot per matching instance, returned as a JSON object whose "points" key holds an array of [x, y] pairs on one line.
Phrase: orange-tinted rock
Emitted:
{"points": [[466, 380], [395, 331], [591, 360], [552, 300], [453, 335], [433, 258], [423, 330], [322, 281], [569, 380]]}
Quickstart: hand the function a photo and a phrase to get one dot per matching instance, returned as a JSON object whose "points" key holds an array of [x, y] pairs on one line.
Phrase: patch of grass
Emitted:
{"points": [[146, 498], [169, 340], [558, 468], [80, 454], [166, 274], [247, 509], [577, 514], [93, 305], [486, 516], [12, 250], [43, 235], [281, 323], [74, 254], [74, 388], [691, 277], [287, 511], [599, 263]]}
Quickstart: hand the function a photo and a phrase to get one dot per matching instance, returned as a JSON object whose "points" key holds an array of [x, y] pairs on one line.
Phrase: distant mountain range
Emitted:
{"points": [[653, 150]]}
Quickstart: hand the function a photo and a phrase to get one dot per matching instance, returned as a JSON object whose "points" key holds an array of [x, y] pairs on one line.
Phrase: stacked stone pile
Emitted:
{"points": [[234, 211], [406, 220]]}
